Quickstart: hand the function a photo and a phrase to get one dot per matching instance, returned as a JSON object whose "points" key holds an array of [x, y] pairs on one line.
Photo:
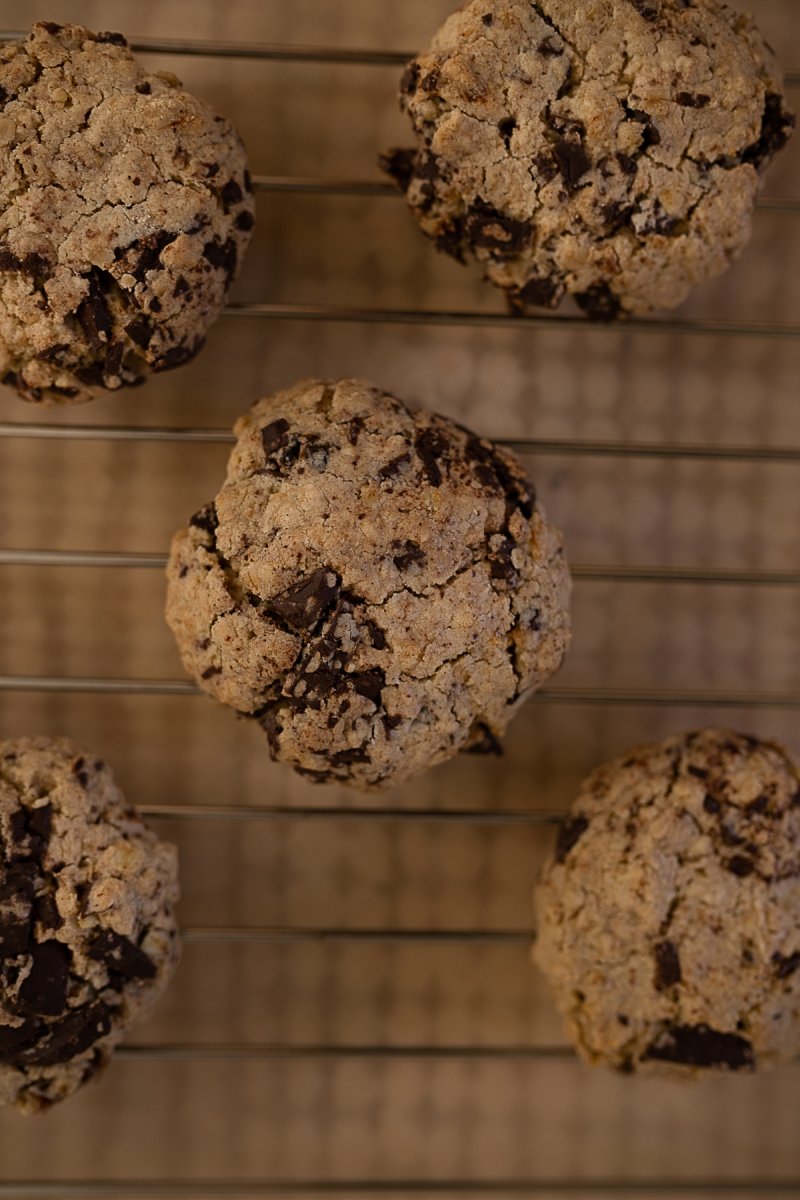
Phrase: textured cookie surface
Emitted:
{"points": [[376, 585], [606, 149], [87, 932], [125, 208], [669, 916]]}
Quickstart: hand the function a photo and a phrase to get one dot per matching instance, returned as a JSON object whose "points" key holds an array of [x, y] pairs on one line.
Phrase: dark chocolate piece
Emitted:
{"points": [[394, 467], [599, 303], [369, 684], [504, 236], [700, 1046], [231, 194], [786, 965], [44, 990], [483, 741], [113, 39], [275, 436], [121, 955], [570, 832], [741, 866], [431, 446], [206, 519], [73, 1035], [541, 293], [668, 966], [572, 159], [693, 99], [711, 804], [408, 553], [245, 221], [223, 255], [302, 605], [649, 9], [776, 128]]}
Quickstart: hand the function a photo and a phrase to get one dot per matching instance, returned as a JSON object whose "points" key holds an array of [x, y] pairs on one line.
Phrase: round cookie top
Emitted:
{"points": [[125, 208], [606, 149], [375, 584], [87, 930], [669, 915]]}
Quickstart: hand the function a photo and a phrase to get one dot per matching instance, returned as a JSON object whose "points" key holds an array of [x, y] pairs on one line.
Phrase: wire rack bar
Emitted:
{"points": [[637, 698], [559, 447], [181, 1189], [432, 816], [588, 574], [316, 313], [203, 936], [318, 186], [265, 1053], [261, 51]]}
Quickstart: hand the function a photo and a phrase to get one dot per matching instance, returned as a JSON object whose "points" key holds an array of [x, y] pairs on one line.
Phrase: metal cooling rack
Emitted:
{"points": [[121, 560]]}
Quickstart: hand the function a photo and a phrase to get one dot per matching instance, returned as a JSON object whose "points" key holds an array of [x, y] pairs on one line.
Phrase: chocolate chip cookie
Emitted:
{"points": [[125, 209], [610, 150], [376, 586], [87, 932], [669, 915]]}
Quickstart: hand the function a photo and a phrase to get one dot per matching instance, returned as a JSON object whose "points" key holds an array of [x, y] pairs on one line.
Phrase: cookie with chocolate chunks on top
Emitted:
{"points": [[605, 150], [375, 585], [668, 916], [127, 209], [88, 939]]}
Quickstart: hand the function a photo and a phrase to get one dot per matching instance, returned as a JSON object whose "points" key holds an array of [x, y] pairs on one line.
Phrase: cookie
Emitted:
{"points": [[87, 931], [609, 150], [125, 209], [375, 585], [669, 914]]}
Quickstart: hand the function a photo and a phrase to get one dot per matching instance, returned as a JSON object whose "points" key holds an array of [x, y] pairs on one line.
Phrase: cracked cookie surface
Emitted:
{"points": [[610, 150], [669, 914], [87, 932], [125, 209], [376, 585]]}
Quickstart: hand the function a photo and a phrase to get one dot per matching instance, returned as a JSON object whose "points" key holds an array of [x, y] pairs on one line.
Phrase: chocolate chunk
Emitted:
{"points": [[345, 758], [94, 314], [539, 293], [400, 165], [44, 990], [181, 287], [545, 167], [206, 519], [302, 605], [776, 128], [16, 901], [140, 331], [121, 955], [493, 472], [698, 772], [148, 253], [275, 436], [757, 806], [569, 833], [144, 89], [46, 911], [114, 39], [693, 99], [700, 1046], [450, 239], [177, 356], [599, 303], [711, 804], [408, 553], [741, 866], [650, 133], [617, 215], [394, 467], [369, 684], [627, 164], [649, 9], [483, 741], [501, 562], [210, 672], [376, 635], [410, 79], [486, 227], [245, 221], [786, 965], [572, 159], [431, 81], [14, 1037], [231, 194], [431, 447], [668, 966], [487, 18], [52, 27], [355, 428], [391, 721], [72, 1036], [223, 255]]}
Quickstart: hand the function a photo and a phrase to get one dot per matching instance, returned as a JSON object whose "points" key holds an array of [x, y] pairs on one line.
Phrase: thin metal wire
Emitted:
{"points": [[428, 816], [181, 1189], [208, 1052], [558, 447], [587, 574], [318, 186], [637, 698], [316, 313], [203, 936]]}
